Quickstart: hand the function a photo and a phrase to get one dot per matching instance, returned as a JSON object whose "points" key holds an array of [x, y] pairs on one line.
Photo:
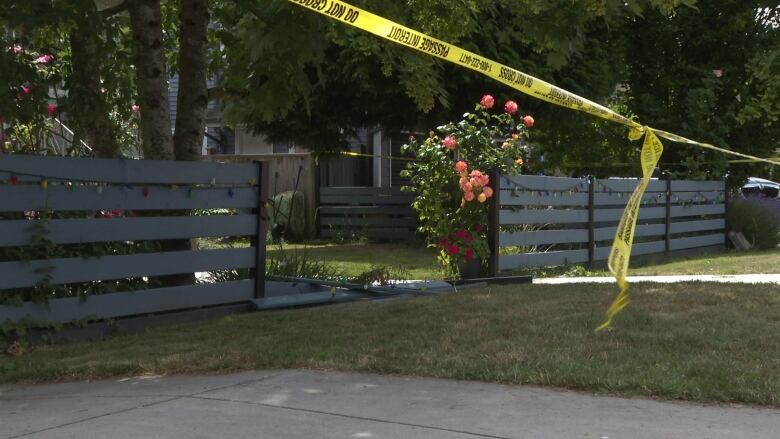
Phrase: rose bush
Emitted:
{"points": [[451, 178]]}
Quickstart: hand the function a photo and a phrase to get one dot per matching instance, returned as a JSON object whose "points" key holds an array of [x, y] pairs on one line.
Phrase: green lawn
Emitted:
{"points": [[730, 262], [693, 341], [419, 262], [354, 259]]}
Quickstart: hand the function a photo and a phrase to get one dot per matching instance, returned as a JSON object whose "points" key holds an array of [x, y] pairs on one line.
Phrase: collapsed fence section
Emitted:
{"points": [[375, 213], [94, 239], [546, 221]]}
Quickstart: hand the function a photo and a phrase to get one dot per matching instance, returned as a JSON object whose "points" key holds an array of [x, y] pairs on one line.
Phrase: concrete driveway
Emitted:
{"points": [[307, 404]]}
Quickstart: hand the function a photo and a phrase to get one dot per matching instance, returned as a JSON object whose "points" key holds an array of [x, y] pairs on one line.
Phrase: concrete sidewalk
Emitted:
{"points": [[736, 278], [305, 404]]}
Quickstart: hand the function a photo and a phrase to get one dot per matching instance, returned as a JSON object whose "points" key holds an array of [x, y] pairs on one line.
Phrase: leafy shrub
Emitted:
{"points": [[449, 177], [288, 215], [754, 219]]}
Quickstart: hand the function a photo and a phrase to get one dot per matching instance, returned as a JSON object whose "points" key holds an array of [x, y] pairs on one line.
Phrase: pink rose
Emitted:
{"points": [[469, 196], [44, 59], [487, 102], [462, 181], [488, 191], [474, 182], [52, 109], [461, 167], [528, 121], [510, 107], [135, 108], [467, 187], [449, 142], [16, 49]]}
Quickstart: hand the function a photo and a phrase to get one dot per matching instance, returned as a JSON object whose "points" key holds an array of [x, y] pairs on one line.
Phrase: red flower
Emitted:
{"points": [[461, 167], [461, 234], [453, 250], [52, 109], [478, 228], [510, 107], [487, 102], [469, 254], [450, 143], [528, 121], [21, 94]]}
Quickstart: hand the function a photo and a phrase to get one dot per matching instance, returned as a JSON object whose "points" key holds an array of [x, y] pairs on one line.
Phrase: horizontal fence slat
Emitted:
{"points": [[698, 226], [368, 222], [81, 231], [641, 248], [129, 171], [649, 199], [539, 237], [140, 302], [543, 216], [70, 270], [367, 210], [369, 199], [522, 199], [696, 210], [59, 198], [608, 233], [616, 214], [697, 241], [690, 185], [508, 262], [687, 197], [628, 185], [378, 234], [362, 191], [543, 183]]}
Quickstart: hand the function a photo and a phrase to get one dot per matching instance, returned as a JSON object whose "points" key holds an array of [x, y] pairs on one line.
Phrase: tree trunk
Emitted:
{"points": [[193, 74], [145, 21], [89, 108], [191, 102]]}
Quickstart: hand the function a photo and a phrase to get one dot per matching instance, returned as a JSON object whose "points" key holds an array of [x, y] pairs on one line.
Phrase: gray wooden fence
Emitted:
{"points": [[88, 188], [555, 221], [376, 213]]}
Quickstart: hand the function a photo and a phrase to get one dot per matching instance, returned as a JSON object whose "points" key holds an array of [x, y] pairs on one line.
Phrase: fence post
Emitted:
{"points": [[726, 240], [494, 207], [591, 222], [262, 223], [668, 231]]}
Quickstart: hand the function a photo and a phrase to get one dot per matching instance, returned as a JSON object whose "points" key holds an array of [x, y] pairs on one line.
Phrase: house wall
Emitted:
{"points": [[248, 143]]}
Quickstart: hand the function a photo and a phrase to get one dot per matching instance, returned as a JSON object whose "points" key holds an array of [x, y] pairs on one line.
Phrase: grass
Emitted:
{"points": [[419, 262], [730, 262], [690, 341], [354, 259]]}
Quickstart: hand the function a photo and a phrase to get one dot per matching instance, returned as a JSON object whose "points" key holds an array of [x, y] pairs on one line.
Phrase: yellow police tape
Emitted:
{"points": [[651, 150]]}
